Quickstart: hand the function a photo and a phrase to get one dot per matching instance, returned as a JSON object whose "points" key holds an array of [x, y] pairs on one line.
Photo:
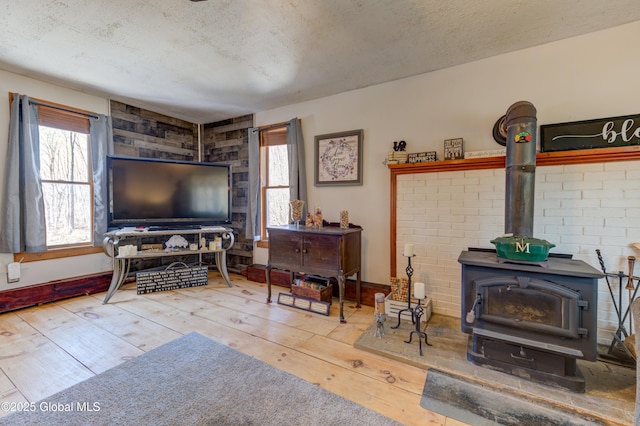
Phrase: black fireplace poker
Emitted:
{"points": [[621, 332]]}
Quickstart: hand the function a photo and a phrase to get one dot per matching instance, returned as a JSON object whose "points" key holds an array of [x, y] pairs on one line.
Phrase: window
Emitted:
{"points": [[274, 178], [66, 186], [67, 183]]}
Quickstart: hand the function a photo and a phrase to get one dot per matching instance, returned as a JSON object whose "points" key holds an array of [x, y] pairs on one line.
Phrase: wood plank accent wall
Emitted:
{"points": [[228, 142], [141, 133]]}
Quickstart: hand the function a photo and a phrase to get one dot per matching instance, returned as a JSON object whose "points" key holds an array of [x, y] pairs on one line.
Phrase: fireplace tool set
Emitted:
{"points": [[621, 332]]}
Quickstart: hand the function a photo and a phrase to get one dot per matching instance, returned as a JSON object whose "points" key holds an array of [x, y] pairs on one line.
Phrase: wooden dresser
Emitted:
{"points": [[330, 252]]}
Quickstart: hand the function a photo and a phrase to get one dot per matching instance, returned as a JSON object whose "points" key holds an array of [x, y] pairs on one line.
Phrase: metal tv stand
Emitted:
{"points": [[122, 263]]}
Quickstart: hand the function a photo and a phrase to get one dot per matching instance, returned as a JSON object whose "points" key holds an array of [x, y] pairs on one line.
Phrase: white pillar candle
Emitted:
{"points": [[379, 298], [408, 249], [418, 290]]}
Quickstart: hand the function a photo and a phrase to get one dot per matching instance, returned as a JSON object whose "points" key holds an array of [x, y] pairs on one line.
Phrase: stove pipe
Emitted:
{"points": [[520, 123]]}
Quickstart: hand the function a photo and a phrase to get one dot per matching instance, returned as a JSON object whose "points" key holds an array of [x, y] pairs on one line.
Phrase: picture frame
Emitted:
{"points": [[453, 149], [338, 158]]}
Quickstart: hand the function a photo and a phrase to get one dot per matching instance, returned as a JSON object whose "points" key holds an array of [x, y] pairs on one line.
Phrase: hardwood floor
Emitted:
{"points": [[48, 348]]}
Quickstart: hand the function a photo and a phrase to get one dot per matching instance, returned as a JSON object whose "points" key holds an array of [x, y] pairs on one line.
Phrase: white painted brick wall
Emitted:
{"points": [[580, 208]]}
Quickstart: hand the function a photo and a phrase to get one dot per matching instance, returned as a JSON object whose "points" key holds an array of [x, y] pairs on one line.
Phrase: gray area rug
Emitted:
{"points": [[195, 381]]}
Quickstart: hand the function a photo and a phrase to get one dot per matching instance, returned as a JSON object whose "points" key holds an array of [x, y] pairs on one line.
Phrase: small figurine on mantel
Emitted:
{"points": [[399, 146]]}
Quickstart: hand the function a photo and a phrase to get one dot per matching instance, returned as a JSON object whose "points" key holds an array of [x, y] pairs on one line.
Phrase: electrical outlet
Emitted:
{"points": [[13, 272]]}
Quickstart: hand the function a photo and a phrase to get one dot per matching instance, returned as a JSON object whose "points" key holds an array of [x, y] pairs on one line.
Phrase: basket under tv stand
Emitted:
{"points": [[121, 263]]}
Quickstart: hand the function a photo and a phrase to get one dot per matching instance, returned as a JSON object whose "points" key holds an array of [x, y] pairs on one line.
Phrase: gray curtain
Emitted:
{"points": [[252, 226], [297, 174], [101, 134], [297, 169], [23, 226]]}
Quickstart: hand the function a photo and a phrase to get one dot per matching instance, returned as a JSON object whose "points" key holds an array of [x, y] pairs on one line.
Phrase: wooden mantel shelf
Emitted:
{"points": [[582, 156]]}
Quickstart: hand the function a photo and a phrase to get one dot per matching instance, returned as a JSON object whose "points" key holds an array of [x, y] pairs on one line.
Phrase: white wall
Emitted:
{"points": [[592, 76], [48, 270]]}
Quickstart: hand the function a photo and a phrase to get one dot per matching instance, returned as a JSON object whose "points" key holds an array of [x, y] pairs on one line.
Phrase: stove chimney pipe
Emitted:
{"points": [[521, 125]]}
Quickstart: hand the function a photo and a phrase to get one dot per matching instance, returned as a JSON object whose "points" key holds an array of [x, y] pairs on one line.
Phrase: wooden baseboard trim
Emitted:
{"points": [[52, 291], [367, 291]]}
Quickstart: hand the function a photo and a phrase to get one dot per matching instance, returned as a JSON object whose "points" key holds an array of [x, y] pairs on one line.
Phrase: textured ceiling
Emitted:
{"points": [[210, 60]]}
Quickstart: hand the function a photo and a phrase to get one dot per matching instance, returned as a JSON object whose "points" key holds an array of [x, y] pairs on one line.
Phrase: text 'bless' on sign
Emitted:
{"points": [[588, 134]]}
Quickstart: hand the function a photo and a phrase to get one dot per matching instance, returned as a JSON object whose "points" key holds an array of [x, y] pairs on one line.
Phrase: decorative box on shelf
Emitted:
{"points": [[397, 157], [392, 307]]}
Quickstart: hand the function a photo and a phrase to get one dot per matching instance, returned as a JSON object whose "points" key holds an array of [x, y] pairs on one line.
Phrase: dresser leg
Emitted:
{"points": [[358, 289], [267, 271], [341, 294]]}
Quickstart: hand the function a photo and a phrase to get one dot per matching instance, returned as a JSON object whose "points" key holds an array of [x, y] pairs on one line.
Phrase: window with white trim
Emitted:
{"points": [[274, 178]]}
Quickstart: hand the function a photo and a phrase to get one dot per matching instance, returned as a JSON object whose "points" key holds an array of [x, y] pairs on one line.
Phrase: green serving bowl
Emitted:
{"points": [[522, 248]]}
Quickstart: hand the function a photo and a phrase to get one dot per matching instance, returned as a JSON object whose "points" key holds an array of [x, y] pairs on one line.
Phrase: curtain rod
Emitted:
{"points": [[273, 126], [86, 114]]}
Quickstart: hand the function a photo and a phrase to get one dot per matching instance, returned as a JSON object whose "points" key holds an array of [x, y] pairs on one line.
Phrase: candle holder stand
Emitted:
{"points": [[409, 271], [417, 314]]}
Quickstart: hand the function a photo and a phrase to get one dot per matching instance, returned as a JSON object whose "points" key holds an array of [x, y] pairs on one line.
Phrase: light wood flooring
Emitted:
{"points": [[48, 348]]}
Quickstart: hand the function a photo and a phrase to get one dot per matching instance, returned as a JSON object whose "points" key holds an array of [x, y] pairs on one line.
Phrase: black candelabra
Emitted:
{"points": [[409, 272], [417, 314]]}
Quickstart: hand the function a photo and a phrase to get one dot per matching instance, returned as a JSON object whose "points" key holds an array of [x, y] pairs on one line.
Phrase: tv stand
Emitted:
{"points": [[121, 263]]}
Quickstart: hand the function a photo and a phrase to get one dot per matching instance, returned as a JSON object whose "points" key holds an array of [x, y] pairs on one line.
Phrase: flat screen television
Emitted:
{"points": [[167, 193]]}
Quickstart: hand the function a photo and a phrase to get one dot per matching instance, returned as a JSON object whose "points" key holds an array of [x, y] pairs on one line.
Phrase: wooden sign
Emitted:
{"points": [[422, 157], [453, 149], [171, 279], [588, 134]]}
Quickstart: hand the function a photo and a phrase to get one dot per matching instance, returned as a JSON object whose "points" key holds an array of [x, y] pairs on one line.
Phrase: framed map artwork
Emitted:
{"points": [[338, 158]]}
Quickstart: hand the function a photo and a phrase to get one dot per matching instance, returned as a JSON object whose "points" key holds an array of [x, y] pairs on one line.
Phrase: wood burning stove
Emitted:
{"points": [[532, 320]]}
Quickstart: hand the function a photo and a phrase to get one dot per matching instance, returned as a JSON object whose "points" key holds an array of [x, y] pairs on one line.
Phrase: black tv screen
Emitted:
{"points": [[151, 192]]}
